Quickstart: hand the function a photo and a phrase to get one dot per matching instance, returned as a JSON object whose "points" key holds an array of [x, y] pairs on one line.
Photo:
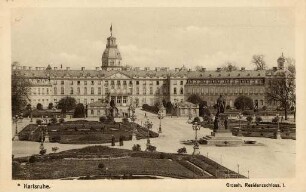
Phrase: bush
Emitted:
{"points": [[196, 120], [38, 121], [258, 119], [249, 119], [79, 111], [43, 151], [53, 120], [275, 119], [182, 150], [101, 166], [151, 148], [39, 106], [152, 109], [32, 159], [102, 119], [50, 106], [243, 102], [136, 147], [61, 120], [125, 120], [54, 149], [228, 107], [292, 108], [66, 104], [264, 108]]}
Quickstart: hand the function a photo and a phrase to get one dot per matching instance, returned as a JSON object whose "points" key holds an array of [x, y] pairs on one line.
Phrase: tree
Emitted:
{"points": [[195, 99], [102, 119], [39, 106], [229, 66], [243, 102], [290, 64], [182, 150], [169, 107], [79, 111], [258, 119], [66, 104], [50, 106], [249, 119], [281, 89], [20, 91], [136, 147], [258, 61]]}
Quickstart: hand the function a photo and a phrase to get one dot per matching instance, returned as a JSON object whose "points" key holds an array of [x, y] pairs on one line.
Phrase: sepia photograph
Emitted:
{"points": [[164, 93]]}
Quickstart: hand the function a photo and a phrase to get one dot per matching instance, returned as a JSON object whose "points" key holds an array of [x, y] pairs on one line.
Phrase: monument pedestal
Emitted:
{"points": [[222, 136], [16, 138]]}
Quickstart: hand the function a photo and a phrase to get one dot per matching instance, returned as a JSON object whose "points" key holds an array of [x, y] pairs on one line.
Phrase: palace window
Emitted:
{"points": [[182, 83], [137, 90], [118, 82], [92, 111], [85, 90], [85, 82], [71, 90], [78, 91], [71, 82], [92, 100], [55, 90], [119, 99], [137, 82], [99, 82], [92, 82], [112, 82], [38, 91], [99, 90], [157, 82], [78, 82], [124, 99], [92, 91], [85, 101], [182, 91], [174, 91], [62, 91], [124, 82], [151, 90], [62, 82], [144, 91]]}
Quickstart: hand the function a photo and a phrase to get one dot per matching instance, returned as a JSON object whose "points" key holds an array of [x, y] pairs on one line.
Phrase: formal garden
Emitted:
{"points": [[98, 162], [84, 132]]}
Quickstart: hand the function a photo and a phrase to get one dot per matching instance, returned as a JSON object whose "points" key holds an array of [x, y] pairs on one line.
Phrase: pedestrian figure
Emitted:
{"points": [[113, 140]]}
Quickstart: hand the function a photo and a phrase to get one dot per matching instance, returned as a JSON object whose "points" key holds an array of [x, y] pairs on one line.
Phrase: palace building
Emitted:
{"points": [[144, 85]]}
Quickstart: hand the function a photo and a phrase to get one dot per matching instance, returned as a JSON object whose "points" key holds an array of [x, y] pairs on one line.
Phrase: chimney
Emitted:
{"points": [[218, 69], [37, 68], [136, 68], [177, 69], [67, 68], [147, 68], [30, 68], [157, 69], [55, 68], [242, 68], [82, 68], [274, 68], [97, 68], [203, 69], [24, 67]]}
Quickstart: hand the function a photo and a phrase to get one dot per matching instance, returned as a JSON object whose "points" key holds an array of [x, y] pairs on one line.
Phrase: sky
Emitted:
{"points": [[151, 37]]}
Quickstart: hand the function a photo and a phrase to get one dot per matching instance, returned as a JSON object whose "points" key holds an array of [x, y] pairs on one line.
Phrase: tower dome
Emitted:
{"points": [[111, 58], [281, 62]]}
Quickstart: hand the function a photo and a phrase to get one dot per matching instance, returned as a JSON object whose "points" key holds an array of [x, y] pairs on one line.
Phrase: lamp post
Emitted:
{"points": [[189, 113], [133, 119], [278, 134], [160, 117], [148, 124], [15, 120], [196, 127]]}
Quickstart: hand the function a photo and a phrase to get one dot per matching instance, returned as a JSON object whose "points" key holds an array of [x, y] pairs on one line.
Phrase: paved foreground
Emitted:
{"points": [[275, 159]]}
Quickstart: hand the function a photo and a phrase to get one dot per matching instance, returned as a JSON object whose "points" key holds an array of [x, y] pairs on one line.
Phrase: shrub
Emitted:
{"points": [[50, 106], [258, 119], [292, 108], [101, 166], [243, 102], [228, 107], [79, 111], [110, 119], [151, 148], [136, 147], [182, 150], [196, 120], [38, 121], [162, 156], [39, 106], [275, 119], [249, 119], [32, 159], [215, 106], [61, 120], [152, 109], [54, 149], [125, 120], [102, 119], [53, 120], [43, 151], [264, 108]]}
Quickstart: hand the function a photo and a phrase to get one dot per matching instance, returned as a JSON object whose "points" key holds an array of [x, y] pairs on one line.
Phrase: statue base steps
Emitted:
{"points": [[221, 138]]}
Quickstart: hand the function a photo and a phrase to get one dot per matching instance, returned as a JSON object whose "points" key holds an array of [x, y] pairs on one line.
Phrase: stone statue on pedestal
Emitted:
{"points": [[220, 119]]}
